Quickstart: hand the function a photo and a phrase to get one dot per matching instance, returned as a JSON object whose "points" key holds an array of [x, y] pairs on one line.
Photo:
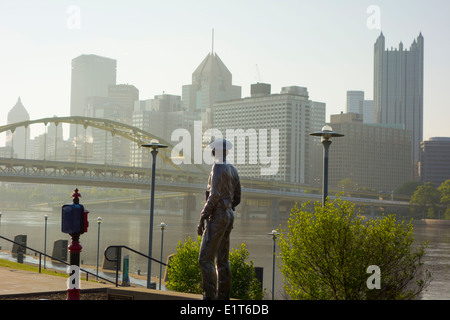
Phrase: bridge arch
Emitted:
{"points": [[128, 132]]}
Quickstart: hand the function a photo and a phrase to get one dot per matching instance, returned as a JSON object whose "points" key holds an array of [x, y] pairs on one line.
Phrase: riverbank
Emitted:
{"points": [[436, 222]]}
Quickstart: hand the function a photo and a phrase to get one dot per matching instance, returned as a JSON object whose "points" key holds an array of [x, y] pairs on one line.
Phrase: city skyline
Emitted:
{"points": [[327, 48]]}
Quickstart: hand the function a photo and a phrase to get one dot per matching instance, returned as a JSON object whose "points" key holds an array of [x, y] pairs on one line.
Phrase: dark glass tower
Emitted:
{"points": [[398, 89]]}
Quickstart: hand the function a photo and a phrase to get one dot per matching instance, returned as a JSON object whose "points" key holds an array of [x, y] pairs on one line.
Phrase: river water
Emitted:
{"points": [[132, 230]]}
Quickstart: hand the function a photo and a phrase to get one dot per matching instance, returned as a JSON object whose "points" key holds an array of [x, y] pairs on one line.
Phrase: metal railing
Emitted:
{"points": [[58, 260], [117, 258]]}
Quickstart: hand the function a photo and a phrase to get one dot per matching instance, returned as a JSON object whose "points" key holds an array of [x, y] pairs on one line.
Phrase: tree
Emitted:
{"points": [[407, 189], [184, 272], [444, 189], [347, 185], [244, 284], [426, 197], [325, 254]]}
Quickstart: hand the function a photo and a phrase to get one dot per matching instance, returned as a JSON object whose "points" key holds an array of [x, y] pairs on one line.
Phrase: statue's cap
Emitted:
{"points": [[221, 144]]}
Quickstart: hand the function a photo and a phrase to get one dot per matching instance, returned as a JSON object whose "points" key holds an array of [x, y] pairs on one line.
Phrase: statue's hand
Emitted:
{"points": [[201, 227]]}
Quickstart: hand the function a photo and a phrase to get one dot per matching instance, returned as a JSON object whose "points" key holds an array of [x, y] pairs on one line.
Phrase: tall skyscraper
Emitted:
{"points": [[160, 116], [398, 89], [91, 76], [18, 139], [51, 145], [125, 95], [315, 167], [211, 82], [357, 104], [355, 101], [368, 112]]}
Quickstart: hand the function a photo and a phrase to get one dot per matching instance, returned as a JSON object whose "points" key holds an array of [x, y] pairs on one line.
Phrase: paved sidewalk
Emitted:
{"points": [[22, 282]]}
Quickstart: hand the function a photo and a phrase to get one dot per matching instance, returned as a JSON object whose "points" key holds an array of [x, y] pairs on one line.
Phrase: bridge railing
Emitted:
{"points": [[53, 258], [117, 257], [61, 172]]}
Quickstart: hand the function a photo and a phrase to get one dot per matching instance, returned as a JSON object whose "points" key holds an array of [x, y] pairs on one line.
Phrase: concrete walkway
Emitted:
{"points": [[19, 282], [23, 282]]}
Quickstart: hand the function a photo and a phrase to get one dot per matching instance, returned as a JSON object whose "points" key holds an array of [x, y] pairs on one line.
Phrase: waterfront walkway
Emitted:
{"points": [[19, 282]]}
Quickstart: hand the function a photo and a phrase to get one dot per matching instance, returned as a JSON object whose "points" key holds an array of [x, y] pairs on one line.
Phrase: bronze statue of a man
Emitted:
{"points": [[223, 194]]}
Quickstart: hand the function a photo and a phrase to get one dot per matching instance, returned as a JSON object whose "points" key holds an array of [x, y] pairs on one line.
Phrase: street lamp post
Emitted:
{"points": [[45, 239], [326, 134], [163, 226], [99, 221], [154, 145], [274, 234]]}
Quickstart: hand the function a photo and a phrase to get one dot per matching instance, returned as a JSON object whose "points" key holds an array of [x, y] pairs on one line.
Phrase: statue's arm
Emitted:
{"points": [[214, 194], [237, 194]]}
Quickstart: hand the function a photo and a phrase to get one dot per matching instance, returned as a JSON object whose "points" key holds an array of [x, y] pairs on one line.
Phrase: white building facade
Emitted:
{"points": [[277, 128]]}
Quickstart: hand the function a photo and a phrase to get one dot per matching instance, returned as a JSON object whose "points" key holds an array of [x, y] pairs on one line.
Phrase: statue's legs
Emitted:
{"points": [[223, 266], [215, 243]]}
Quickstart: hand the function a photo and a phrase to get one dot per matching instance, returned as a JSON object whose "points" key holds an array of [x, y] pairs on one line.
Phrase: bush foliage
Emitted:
{"points": [[184, 272], [326, 252]]}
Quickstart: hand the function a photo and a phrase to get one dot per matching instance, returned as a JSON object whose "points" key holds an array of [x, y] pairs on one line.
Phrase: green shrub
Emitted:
{"points": [[326, 253], [244, 284], [184, 272]]}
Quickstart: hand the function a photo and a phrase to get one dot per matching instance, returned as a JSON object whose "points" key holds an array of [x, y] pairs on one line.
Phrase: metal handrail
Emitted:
{"points": [[53, 258], [117, 258]]}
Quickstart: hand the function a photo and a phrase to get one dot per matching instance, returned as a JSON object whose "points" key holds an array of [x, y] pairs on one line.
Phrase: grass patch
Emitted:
{"points": [[27, 267], [33, 268]]}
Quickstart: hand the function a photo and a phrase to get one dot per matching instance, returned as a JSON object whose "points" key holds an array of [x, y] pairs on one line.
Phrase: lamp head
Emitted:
{"points": [[154, 144], [326, 133], [163, 225], [274, 234]]}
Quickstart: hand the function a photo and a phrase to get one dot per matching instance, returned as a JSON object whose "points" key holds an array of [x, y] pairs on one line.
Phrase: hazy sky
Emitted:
{"points": [[326, 46]]}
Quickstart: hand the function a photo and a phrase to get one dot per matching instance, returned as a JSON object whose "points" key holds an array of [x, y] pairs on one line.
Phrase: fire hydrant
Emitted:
{"points": [[74, 222]]}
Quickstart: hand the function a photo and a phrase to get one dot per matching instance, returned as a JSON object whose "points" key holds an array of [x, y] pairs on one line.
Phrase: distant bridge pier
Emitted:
{"points": [[192, 206], [242, 209], [275, 212]]}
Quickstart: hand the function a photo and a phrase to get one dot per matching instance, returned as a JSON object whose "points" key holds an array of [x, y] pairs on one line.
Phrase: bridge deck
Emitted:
{"points": [[170, 180]]}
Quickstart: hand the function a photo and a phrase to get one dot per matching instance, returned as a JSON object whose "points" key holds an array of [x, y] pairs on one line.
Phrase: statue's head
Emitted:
{"points": [[220, 148]]}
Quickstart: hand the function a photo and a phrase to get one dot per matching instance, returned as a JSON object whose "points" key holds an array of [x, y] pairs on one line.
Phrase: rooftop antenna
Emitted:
{"points": [[212, 41], [258, 74]]}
